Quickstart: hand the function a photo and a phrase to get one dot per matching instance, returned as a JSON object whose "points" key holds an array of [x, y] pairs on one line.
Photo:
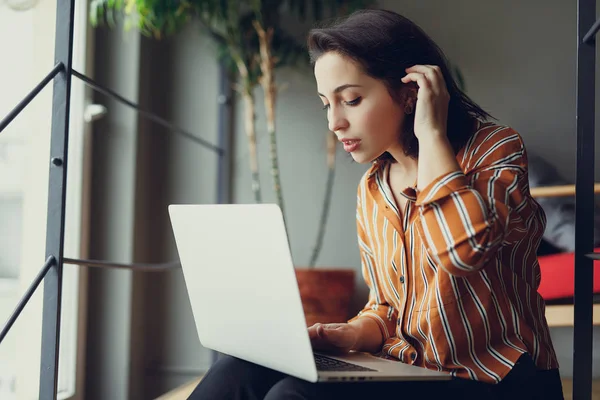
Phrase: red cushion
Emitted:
{"points": [[558, 275]]}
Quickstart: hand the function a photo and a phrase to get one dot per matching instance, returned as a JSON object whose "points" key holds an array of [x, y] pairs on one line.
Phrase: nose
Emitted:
{"points": [[337, 120]]}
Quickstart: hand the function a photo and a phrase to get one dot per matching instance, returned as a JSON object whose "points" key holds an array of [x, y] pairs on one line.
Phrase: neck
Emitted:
{"points": [[402, 161]]}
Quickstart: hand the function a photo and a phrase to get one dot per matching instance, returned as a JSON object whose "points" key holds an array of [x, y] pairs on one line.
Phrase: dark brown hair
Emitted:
{"points": [[384, 43]]}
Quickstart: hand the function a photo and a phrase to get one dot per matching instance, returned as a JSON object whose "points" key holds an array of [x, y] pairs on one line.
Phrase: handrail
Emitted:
{"points": [[590, 35], [161, 121], [558, 191], [132, 266], [104, 90], [23, 302], [30, 96], [89, 263]]}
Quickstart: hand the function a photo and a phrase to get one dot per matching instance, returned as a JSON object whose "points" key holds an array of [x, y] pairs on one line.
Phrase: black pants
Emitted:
{"points": [[234, 379]]}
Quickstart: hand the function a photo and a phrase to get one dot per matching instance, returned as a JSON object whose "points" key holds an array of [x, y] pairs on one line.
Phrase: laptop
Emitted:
{"points": [[245, 300]]}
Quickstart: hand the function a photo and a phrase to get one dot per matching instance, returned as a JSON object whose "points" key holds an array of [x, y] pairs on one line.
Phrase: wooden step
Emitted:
{"points": [[568, 389], [182, 392]]}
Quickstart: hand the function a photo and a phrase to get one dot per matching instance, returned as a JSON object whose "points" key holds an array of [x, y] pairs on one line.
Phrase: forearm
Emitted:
{"points": [[457, 225], [369, 335], [436, 158], [465, 216]]}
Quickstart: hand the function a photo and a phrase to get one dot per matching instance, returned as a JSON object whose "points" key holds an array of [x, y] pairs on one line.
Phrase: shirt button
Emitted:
{"points": [[401, 279], [413, 356]]}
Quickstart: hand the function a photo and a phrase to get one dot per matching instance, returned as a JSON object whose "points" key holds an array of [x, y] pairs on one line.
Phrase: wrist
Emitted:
{"points": [[355, 326], [368, 335], [432, 137]]}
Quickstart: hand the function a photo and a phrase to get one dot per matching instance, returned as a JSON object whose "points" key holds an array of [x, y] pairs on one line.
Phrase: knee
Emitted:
{"points": [[231, 369], [292, 388], [227, 378], [233, 378]]}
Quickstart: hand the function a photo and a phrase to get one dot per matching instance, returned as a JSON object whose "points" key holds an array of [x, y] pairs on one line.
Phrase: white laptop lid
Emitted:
{"points": [[241, 283]]}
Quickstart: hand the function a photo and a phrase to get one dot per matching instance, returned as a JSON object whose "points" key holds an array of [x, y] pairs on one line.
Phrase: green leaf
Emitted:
{"points": [[228, 22]]}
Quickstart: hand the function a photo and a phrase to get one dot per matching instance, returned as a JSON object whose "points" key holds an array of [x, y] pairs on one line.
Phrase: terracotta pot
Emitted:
{"points": [[325, 293]]}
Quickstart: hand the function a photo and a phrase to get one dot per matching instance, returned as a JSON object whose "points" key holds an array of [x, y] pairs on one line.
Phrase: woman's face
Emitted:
{"points": [[360, 109]]}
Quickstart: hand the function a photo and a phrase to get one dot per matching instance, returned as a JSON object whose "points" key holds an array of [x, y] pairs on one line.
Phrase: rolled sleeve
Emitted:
{"points": [[465, 217]]}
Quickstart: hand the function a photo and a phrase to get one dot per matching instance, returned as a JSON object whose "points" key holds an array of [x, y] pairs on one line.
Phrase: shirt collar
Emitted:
{"points": [[376, 167]]}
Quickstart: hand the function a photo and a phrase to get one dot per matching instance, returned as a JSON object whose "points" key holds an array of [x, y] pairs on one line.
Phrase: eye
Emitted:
{"points": [[354, 102], [326, 106]]}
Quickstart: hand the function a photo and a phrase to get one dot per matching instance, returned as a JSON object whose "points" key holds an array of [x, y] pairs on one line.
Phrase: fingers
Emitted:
{"points": [[317, 332], [321, 334], [417, 77], [432, 72], [333, 334], [312, 332], [427, 77], [319, 339]]}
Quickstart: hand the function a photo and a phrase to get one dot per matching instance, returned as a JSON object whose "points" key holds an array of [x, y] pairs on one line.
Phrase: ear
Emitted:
{"points": [[408, 94]]}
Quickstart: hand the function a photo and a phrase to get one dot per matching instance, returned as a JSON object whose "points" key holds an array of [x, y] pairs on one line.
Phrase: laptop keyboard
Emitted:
{"points": [[325, 363]]}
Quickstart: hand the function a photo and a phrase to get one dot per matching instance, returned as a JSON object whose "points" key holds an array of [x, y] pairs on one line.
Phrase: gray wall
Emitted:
{"points": [[518, 59], [110, 310], [190, 79]]}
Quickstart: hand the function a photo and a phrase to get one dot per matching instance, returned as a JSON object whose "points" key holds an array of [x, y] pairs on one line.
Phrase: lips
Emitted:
{"points": [[350, 145]]}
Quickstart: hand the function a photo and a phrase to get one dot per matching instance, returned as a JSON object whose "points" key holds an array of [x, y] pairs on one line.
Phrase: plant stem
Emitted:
{"points": [[327, 201], [267, 81], [250, 125]]}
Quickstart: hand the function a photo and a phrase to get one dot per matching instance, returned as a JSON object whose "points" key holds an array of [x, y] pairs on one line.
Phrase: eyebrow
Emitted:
{"points": [[341, 88]]}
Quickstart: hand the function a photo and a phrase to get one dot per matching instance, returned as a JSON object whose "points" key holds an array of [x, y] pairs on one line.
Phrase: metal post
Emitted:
{"points": [[584, 203], [225, 143], [56, 200], [225, 137]]}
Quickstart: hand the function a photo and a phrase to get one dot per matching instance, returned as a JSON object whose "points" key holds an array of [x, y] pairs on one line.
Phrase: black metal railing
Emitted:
{"points": [[28, 293], [30, 96], [57, 185], [51, 272], [161, 121], [584, 200]]}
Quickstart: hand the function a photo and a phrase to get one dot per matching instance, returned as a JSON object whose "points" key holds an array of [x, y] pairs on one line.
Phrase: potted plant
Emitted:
{"points": [[252, 44]]}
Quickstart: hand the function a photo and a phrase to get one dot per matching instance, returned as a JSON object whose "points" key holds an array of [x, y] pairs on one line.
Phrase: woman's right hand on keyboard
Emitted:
{"points": [[333, 338]]}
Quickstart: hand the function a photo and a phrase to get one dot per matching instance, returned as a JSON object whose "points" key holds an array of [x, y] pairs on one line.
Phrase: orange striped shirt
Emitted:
{"points": [[453, 283]]}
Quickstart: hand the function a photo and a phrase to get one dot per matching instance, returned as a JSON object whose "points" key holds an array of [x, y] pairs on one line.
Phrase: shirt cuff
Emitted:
{"points": [[387, 327]]}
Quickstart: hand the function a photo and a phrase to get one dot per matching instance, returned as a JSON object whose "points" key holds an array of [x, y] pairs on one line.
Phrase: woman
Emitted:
{"points": [[447, 229]]}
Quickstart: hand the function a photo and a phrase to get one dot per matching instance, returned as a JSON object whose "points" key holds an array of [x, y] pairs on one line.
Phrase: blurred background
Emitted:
{"points": [[130, 334]]}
